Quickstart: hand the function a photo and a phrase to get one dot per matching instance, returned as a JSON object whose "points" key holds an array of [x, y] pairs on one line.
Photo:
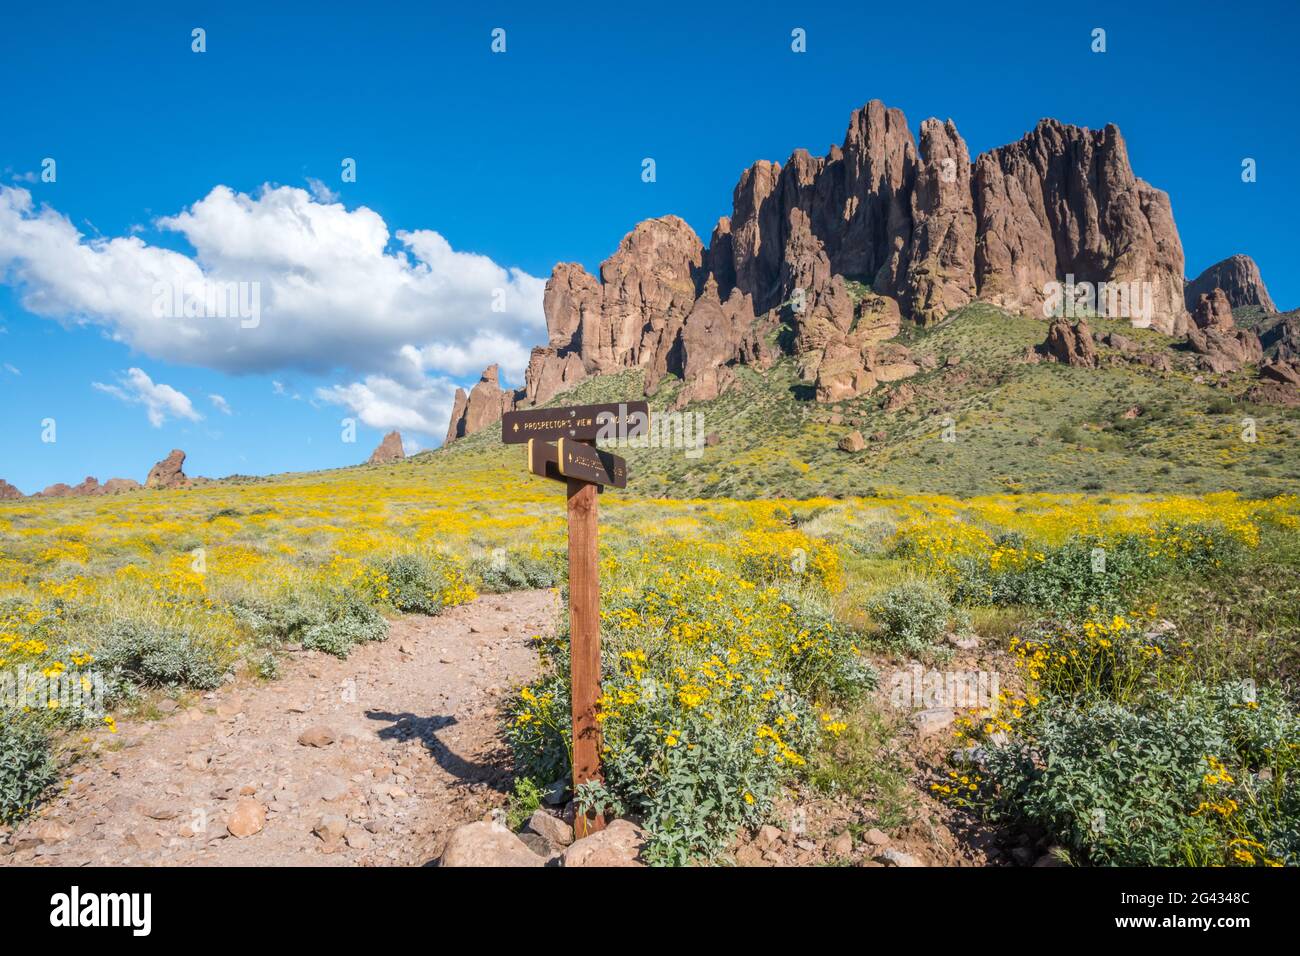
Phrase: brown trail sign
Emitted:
{"points": [[573, 459], [583, 423], [559, 448]]}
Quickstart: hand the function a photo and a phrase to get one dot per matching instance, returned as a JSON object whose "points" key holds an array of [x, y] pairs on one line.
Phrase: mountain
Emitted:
{"points": [[824, 258]]}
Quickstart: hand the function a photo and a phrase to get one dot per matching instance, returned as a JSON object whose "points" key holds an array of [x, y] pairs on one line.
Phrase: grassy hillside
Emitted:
{"points": [[1017, 427]]}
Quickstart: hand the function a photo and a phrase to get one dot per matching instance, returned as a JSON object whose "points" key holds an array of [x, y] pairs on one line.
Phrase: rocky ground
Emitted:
{"points": [[371, 760], [393, 757]]}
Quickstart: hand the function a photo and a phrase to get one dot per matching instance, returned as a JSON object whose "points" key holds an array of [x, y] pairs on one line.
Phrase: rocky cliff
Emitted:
{"points": [[840, 249], [1238, 277]]}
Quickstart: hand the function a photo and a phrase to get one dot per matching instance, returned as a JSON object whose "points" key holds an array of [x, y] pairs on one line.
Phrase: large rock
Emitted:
{"points": [[390, 449], [619, 844], [1071, 345], [705, 387], [117, 486], [8, 491], [1238, 277], [1220, 350], [1213, 311], [487, 844], [169, 472]]}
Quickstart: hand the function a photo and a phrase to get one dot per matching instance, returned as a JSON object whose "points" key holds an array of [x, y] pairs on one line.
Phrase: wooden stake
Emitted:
{"points": [[584, 641]]}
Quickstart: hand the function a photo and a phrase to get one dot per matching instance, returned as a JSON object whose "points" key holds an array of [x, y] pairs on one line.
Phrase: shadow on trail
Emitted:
{"points": [[409, 726]]}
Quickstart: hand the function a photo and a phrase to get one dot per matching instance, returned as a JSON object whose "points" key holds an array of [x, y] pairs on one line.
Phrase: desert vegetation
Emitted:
{"points": [[1149, 641]]}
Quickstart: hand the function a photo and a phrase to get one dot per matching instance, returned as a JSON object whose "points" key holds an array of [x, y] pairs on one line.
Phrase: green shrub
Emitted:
{"points": [[1206, 779], [142, 653], [914, 615], [414, 585], [513, 571], [26, 765], [349, 621], [522, 803], [1088, 573]]}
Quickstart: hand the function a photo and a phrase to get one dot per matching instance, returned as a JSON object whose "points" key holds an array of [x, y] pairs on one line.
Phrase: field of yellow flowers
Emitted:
{"points": [[735, 632]]}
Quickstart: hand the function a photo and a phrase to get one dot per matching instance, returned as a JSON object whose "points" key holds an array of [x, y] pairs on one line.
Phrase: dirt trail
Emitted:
{"points": [[415, 752]]}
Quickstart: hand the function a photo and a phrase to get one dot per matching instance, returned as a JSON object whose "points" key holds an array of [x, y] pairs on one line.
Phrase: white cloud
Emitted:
{"points": [[11, 369], [160, 401], [320, 192], [336, 290], [220, 404], [383, 403]]}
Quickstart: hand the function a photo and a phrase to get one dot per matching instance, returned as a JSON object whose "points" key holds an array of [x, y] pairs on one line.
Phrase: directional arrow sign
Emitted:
{"points": [[576, 422], [581, 461], [577, 459]]}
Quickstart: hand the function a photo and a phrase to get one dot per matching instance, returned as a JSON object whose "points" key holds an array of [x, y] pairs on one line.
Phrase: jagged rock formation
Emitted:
{"points": [[8, 492], [1064, 202], [1238, 277], [834, 252], [169, 472], [486, 403], [1225, 350], [1281, 336], [390, 449]]}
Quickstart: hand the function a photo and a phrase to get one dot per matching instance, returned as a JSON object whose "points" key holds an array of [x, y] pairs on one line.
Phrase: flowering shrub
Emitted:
{"points": [[711, 684], [1205, 779], [422, 583], [1090, 571], [1114, 657], [140, 653]]}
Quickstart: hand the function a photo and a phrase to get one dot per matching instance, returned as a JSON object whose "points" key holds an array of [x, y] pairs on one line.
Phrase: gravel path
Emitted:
{"points": [[366, 761]]}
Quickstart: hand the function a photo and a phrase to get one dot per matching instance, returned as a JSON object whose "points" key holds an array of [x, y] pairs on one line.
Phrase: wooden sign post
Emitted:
{"points": [[561, 446]]}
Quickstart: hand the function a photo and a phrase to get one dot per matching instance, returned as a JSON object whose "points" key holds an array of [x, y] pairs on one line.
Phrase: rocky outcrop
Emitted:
{"points": [[1220, 345], [390, 449], [118, 486], [169, 472], [1222, 350], [1213, 311], [1070, 344], [8, 491], [835, 251], [1064, 202], [705, 387], [90, 486], [486, 402], [1280, 336], [1238, 277], [1270, 392], [941, 257]]}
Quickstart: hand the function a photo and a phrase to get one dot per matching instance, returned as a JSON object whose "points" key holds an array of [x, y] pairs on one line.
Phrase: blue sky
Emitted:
{"points": [[517, 161]]}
